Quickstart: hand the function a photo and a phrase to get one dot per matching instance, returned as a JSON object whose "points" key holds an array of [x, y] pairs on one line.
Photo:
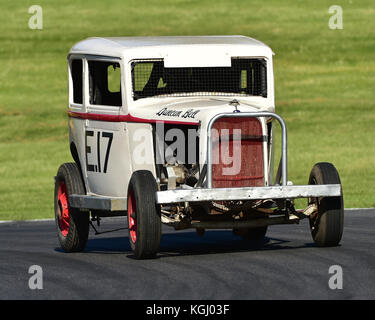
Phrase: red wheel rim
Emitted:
{"points": [[63, 209], [131, 217]]}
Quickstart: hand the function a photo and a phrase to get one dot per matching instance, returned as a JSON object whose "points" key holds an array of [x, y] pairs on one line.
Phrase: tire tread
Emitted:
{"points": [[331, 213], [77, 236]]}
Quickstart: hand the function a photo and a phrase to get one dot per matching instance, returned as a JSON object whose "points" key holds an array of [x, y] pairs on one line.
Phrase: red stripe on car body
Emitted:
{"points": [[122, 118]]}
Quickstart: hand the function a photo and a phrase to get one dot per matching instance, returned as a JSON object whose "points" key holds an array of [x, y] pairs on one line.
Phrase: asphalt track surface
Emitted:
{"points": [[217, 266]]}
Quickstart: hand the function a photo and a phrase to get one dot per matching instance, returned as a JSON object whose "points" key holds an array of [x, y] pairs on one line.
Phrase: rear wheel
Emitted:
{"points": [[143, 215], [327, 223], [72, 225]]}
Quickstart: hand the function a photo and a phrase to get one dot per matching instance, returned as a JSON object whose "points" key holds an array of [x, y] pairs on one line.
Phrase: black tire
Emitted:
{"points": [[72, 225], [143, 215], [327, 225]]}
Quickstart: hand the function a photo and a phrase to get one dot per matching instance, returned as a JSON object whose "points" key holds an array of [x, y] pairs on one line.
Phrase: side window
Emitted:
{"points": [[105, 83], [76, 71], [114, 78]]}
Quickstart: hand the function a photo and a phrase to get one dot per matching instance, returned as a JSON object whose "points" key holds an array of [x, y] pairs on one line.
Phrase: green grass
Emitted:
{"points": [[324, 83]]}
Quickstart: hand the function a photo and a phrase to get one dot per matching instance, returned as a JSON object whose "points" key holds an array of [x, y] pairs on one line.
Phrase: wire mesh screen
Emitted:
{"points": [[245, 77]]}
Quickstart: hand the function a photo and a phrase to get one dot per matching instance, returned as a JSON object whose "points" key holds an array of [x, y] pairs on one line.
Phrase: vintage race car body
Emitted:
{"points": [[142, 113], [198, 115]]}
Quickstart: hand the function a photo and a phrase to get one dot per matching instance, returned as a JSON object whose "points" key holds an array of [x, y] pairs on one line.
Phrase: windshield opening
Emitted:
{"points": [[245, 77]]}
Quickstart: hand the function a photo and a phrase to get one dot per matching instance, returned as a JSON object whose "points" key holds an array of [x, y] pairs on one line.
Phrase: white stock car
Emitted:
{"points": [[179, 131]]}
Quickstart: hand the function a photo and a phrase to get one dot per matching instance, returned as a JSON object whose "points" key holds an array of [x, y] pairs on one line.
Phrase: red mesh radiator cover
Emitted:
{"points": [[237, 163]]}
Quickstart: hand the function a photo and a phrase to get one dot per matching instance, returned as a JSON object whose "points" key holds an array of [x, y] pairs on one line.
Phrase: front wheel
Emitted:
{"points": [[143, 215], [327, 223]]}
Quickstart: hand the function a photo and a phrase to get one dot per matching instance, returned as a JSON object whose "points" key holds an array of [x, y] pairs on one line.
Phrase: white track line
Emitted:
{"points": [[33, 220]]}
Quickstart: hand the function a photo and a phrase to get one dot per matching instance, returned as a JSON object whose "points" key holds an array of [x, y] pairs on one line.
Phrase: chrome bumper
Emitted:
{"points": [[217, 194], [248, 193]]}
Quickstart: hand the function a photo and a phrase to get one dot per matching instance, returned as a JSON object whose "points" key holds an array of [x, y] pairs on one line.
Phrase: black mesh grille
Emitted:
{"points": [[246, 77]]}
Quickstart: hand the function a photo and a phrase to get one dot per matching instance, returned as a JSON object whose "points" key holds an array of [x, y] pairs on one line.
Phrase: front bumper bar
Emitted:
{"points": [[248, 193], [216, 194]]}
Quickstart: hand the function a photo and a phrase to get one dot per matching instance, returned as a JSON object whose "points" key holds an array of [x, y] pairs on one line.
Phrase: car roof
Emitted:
{"points": [[161, 47]]}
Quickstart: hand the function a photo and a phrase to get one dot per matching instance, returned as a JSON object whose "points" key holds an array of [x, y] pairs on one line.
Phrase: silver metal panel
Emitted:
{"points": [[249, 193], [98, 203]]}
